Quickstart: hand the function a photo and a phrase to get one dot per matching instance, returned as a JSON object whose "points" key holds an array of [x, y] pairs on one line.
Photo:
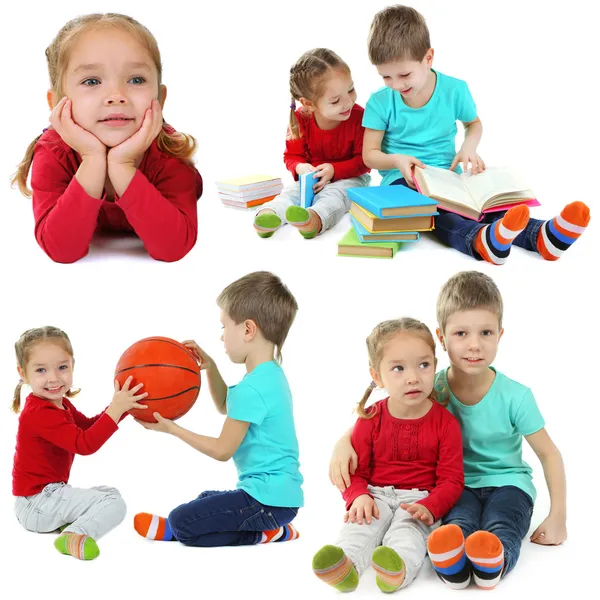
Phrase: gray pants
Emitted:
{"points": [[331, 203], [395, 529], [92, 512]]}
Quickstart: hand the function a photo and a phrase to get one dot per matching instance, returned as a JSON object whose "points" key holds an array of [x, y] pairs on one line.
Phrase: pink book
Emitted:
{"points": [[472, 196]]}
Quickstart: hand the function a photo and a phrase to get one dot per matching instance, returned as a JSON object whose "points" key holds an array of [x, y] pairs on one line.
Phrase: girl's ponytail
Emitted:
{"points": [[362, 413], [20, 177], [294, 126], [16, 403]]}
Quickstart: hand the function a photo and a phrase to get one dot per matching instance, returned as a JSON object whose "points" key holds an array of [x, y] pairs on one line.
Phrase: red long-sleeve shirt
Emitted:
{"points": [[341, 147], [48, 439], [159, 204], [424, 453]]}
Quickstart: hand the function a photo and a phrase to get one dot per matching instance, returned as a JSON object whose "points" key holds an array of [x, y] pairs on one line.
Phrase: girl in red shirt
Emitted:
{"points": [[410, 469], [51, 431], [325, 137], [109, 162]]}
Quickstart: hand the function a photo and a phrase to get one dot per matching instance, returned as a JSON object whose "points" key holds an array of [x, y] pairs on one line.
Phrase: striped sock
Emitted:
{"points": [[486, 553], [78, 545], [559, 234], [266, 223], [153, 527], [493, 241], [307, 222], [446, 548], [331, 565], [389, 568], [283, 534]]}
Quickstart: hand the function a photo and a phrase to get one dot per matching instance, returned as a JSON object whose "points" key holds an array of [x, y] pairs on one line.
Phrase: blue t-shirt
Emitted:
{"points": [[427, 133], [493, 430], [267, 459]]}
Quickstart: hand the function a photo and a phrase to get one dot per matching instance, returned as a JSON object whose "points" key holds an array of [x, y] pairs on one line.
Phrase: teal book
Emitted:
{"points": [[389, 201], [365, 236], [307, 194], [350, 245]]}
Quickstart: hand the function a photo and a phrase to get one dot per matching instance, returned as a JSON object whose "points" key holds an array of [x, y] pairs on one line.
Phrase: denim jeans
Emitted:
{"points": [[232, 518], [504, 511], [459, 232]]}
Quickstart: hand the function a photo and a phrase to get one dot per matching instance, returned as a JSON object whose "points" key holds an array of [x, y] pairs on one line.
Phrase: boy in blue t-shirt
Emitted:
{"points": [[257, 312], [412, 122]]}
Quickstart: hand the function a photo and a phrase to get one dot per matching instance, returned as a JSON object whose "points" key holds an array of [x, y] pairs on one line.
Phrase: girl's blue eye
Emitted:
{"points": [[398, 367], [425, 364], [40, 370], [64, 367], [137, 80], [91, 82]]}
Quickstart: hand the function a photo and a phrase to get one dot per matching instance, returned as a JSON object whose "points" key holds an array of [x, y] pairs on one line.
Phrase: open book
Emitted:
{"points": [[497, 188]]}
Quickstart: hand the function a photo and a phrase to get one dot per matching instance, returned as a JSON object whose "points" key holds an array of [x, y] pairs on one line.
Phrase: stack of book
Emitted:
{"points": [[383, 217], [249, 191]]}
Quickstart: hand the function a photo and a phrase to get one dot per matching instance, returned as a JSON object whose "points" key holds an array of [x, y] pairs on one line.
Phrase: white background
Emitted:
{"points": [[531, 69]]}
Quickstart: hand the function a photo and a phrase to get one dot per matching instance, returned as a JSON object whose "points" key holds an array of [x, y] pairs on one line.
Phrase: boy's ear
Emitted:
{"points": [[429, 57], [162, 95], [440, 336], [250, 330], [501, 334], [375, 377], [307, 104]]}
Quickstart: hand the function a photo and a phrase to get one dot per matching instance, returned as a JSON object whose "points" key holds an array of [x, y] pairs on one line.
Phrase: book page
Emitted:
{"points": [[443, 183], [493, 181]]}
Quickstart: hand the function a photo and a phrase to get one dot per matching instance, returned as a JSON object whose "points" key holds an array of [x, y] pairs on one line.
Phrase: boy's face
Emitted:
{"points": [[407, 76], [234, 338], [471, 338]]}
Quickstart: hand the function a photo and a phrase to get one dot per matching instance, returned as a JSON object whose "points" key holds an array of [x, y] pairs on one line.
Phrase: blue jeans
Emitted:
{"points": [[504, 511], [459, 232], [226, 519]]}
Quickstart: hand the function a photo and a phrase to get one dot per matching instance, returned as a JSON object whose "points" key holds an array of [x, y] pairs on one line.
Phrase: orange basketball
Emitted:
{"points": [[169, 372]]}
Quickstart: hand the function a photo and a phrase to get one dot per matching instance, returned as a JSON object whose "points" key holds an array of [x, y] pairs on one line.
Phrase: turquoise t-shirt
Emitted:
{"points": [[492, 432], [427, 133], [267, 459]]}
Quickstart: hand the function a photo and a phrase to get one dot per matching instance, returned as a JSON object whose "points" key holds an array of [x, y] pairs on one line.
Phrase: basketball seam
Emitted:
{"points": [[156, 365], [196, 387]]}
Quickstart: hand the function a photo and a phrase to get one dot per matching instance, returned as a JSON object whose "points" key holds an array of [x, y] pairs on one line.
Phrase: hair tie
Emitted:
{"points": [[45, 129], [372, 385], [293, 104]]}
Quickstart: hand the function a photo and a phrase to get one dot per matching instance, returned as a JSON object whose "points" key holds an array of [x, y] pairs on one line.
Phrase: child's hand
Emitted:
{"points": [[204, 360], [163, 425], [419, 512], [551, 532], [86, 144], [466, 156], [325, 174], [303, 168], [132, 148], [125, 399], [406, 164], [363, 507], [343, 463]]}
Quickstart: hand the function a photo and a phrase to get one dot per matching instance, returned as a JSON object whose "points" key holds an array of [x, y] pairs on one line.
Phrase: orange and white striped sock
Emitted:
{"points": [[282, 534], [559, 234], [446, 549], [153, 527], [486, 553], [493, 242]]}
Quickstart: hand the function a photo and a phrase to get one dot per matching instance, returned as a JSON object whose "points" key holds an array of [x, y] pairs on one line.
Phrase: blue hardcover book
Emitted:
{"points": [[307, 194], [389, 201], [365, 236]]}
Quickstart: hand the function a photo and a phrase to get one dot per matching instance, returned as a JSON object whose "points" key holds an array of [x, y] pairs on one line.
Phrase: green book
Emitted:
{"points": [[350, 245]]}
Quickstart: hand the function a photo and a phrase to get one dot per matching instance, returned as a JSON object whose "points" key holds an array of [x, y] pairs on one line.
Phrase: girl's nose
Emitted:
{"points": [[116, 98]]}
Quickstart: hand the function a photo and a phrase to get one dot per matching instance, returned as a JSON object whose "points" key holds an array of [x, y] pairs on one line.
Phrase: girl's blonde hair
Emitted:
{"points": [[307, 77], [24, 346], [58, 53], [376, 342]]}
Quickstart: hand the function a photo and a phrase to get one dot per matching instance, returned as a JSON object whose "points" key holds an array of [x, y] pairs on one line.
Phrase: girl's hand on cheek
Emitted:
{"points": [[86, 144], [128, 152]]}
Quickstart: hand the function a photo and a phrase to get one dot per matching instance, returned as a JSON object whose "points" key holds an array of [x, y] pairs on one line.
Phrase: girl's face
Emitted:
{"points": [[406, 370], [111, 80], [49, 371], [338, 96], [471, 338]]}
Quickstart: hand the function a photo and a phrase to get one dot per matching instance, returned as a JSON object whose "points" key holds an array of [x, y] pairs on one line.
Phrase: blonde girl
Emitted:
{"points": [[325, 138], [108, 162]]}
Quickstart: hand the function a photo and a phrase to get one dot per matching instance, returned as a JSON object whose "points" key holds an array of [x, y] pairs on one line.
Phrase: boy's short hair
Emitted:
{"points": [[263, 298], [398, 32], [468, 290]]}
